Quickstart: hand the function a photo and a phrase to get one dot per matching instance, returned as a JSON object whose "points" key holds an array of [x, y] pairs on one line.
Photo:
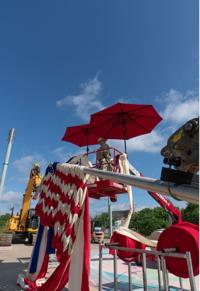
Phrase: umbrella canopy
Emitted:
{"points": [[124, 121], [81, 135]]}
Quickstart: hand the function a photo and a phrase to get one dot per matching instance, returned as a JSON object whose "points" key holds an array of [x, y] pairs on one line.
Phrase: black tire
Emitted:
{"points": [[6, 239], [34, 236]]}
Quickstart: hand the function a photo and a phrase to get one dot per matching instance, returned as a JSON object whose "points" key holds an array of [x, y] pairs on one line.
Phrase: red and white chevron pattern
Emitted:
{"points": [[63, 205]]}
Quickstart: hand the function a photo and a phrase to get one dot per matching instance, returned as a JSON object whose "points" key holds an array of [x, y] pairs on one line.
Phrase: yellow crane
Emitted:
{"points": [[24, 226]]}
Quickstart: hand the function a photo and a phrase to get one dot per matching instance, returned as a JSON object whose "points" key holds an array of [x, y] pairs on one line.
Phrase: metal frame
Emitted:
{"points": [[180, 192], [161, 267], [114, 152]]}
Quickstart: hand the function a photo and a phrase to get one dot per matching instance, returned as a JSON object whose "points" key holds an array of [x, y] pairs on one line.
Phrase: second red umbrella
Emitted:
{"points": [[81, 135]]}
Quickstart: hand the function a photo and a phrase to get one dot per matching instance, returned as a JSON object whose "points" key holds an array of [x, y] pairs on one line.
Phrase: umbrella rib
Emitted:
{"points": [[139, 108], [107, 132], [138, 124]]}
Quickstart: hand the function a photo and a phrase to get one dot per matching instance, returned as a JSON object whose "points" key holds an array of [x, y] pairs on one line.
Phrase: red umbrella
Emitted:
{"points": [[124, 121], [81, 135]]}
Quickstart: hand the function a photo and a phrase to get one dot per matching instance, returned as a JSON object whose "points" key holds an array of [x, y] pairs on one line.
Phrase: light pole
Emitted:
{"points": [[7, 157]]}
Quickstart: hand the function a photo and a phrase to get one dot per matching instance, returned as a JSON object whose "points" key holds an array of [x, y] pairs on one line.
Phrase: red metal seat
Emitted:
{"points": [[105, 188]]}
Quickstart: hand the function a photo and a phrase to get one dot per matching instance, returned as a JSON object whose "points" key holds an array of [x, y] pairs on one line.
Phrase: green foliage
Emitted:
{"points": [[191, 213], [148, 220], [101, 220], [3, 222]]}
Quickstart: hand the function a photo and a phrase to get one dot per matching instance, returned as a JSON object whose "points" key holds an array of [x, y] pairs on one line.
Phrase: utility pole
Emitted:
{"points": [[7, 157]]}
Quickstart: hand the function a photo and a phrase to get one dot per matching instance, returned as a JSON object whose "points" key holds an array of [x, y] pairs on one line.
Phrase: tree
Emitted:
{"points": [[191, 213], [3, 222], [101, 220], [148, 220]]}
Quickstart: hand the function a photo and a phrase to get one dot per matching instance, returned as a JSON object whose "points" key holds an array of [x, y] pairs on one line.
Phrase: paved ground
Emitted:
{"points": [[15, 259]]}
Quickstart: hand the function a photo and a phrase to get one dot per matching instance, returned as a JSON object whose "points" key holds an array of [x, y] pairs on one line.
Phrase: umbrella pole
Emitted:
{"points": [[125, 146], [87, 149], [87, 142]]}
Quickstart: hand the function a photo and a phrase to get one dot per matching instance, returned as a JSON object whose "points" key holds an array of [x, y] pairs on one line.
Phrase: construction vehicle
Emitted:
{"points": [[24, 226]]}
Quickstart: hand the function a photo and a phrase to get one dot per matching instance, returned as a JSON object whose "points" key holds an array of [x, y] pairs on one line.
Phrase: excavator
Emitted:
{"points": [[24, 226]]}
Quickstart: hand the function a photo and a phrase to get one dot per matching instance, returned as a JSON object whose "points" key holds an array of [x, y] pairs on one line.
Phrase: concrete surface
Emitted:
{"points": [[15, 260]]}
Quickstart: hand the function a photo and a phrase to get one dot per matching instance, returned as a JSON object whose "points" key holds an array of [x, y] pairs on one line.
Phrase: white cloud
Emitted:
{"points": [[141, 207], [61, 154], [86, 101], [180, 107], [104, 209], [120, 206], [24, 165], [10, 196], [147, 143], [150, 143]]}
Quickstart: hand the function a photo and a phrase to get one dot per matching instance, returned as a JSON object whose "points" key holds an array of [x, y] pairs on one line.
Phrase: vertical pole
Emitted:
{"points": [[115, 270], [164, 274], [110, 216], [100, 267], [190, 271], [144, 271], [125, 146], [7, 157], [181, 283], [159, 274], [129, 277]]}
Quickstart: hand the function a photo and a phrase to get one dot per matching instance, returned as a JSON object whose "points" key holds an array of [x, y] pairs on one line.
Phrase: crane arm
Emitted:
{"points": [[33, 183]]}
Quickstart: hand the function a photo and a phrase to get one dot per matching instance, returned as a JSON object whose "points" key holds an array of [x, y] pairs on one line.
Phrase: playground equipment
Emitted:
{"points": [[25, 225]]}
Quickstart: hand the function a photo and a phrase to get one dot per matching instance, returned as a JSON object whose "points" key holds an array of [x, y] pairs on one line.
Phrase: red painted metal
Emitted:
{"points": [[105, 188], [167, 205], [184, 238]]}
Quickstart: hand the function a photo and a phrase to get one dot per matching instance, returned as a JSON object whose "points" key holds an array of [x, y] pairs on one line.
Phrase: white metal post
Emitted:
{"points": [[110, 216], [7, 157]]}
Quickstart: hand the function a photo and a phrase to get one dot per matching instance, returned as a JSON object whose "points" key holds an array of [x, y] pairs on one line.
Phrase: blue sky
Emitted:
{"points": [[61, 61]]}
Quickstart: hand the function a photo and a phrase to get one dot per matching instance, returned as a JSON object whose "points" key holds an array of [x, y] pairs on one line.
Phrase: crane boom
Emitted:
{"points": [[33, 183]]}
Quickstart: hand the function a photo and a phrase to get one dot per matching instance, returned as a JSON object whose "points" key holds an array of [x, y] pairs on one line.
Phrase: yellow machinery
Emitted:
{"points": [[24, 226]]}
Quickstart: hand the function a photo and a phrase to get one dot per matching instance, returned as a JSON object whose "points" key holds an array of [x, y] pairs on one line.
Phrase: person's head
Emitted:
{"points": [[36, 166], [101, 141]]}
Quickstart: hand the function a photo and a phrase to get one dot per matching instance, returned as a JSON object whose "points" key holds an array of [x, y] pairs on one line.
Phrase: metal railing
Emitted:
{"points": [[163, 281]]}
